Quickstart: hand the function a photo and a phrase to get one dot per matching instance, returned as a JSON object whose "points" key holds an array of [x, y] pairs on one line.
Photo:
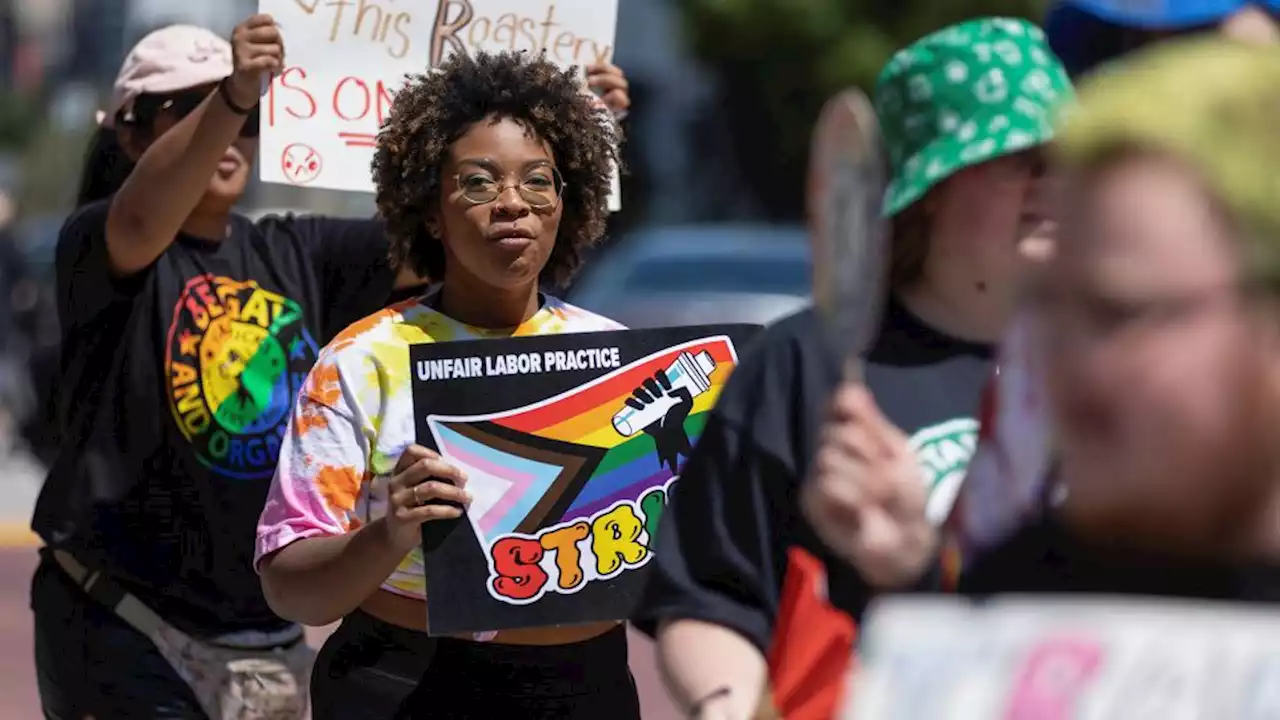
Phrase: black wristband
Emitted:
{"points": [[231, 104]]}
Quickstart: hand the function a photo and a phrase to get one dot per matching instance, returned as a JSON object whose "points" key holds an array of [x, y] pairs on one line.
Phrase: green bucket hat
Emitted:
{"points": [[964, 95]]}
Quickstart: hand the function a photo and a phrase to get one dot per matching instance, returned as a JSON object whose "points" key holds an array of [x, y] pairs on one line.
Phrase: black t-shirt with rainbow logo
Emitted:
{"points": [[176, 387]]}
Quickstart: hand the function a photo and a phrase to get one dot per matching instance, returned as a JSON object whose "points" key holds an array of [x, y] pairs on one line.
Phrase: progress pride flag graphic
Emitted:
{"points": [[347, 58]]}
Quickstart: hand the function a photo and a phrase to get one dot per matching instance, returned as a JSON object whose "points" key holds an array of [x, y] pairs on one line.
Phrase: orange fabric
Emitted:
{"points": [[813, 644]]}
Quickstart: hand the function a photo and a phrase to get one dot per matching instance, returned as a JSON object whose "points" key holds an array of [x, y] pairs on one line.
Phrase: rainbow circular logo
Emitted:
{"points": [[236, 356]]}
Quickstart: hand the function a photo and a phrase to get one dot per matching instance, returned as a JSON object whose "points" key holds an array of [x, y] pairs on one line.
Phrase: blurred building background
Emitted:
{"points": [[724, 94], [725, 90]]}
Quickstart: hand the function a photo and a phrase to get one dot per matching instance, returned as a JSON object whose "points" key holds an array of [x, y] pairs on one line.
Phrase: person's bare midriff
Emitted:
{"points": [[411, 614]]}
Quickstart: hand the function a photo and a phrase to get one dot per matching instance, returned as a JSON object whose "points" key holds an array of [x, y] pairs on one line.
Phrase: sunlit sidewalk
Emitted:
{"points": [[21, 476]]}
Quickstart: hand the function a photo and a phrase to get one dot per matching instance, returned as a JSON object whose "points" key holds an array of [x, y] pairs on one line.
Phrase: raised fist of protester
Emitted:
{"points": [[866, 495], [257, 54], [609, 83], [668, 431], [424, 488]]}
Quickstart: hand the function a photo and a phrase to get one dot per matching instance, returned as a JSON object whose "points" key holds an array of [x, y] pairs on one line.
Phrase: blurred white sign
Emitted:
{"points": [[346, 58], [1067, 659]]}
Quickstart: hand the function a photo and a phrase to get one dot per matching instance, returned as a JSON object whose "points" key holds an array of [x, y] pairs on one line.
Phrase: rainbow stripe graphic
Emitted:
{"points": [[561, 459]]}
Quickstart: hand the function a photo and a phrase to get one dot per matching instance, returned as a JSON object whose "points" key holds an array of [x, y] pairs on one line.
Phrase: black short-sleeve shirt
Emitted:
{"points": [[721, 550], [176, 387]]}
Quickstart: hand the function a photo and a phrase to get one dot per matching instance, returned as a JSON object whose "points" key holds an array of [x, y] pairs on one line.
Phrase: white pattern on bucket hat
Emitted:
{"points": [[167, 60]]}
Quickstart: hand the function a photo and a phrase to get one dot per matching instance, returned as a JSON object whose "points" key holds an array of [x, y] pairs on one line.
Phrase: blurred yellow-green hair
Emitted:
{"points": [[1211, 103]]}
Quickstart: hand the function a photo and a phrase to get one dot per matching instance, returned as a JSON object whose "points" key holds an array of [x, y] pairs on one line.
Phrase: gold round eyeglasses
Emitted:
{"points": [[540, 189]]}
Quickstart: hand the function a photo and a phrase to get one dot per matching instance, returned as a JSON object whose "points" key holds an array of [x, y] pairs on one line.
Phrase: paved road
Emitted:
{"points": [[17, 677]]}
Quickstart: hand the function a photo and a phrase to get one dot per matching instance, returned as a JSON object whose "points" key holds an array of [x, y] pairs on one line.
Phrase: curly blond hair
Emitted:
{"points": [[1212, 104]]}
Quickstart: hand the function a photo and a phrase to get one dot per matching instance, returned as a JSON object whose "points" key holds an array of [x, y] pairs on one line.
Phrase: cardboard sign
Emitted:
{"points": [[570, 444], [846, 187], [347, 58], [1063, 658]]}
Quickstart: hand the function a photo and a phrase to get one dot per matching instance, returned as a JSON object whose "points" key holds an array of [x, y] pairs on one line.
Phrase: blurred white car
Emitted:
{"points": [[699, 274]]}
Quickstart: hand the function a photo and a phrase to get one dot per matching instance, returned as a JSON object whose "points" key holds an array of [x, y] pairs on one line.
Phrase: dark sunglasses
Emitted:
{"points": [[148, 108]]}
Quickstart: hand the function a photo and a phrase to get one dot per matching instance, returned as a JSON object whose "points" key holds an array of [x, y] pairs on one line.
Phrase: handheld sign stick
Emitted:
{"points": [[846, 186], [847, 179]]}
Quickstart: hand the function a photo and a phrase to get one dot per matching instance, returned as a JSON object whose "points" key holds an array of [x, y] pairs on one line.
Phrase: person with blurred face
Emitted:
{"points": [[1010, 478], [187, 333], [493, 176], [964, 113], [1159, 329]]}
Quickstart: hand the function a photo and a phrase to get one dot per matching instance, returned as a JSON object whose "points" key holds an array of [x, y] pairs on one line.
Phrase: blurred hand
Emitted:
{"points": [[257, 54], [422, 484], [866, 494], [610, 84]]}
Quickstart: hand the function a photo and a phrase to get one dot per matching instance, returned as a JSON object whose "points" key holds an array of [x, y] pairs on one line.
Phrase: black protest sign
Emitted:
{"points": [[570, 444]]}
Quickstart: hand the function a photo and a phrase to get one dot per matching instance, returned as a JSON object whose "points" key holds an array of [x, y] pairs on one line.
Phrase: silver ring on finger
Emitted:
{"points": [[417, 500]]}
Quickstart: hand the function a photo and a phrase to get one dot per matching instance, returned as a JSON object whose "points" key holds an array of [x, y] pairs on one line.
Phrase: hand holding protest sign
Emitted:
{"points": [[257, 54], [611, 86], [570, 444], [866, 494], [424, 488], [322, 112]]}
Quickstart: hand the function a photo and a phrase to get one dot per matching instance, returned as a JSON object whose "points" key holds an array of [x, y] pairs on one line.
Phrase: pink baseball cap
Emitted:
{"points": [[167, 60]]}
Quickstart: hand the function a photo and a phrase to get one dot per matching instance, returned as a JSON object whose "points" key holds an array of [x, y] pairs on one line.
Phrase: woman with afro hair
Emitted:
{"points": [[492, 176]]}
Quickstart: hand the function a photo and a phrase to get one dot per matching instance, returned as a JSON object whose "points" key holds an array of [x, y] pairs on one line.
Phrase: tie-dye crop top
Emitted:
{"points": [[354, 417]]}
